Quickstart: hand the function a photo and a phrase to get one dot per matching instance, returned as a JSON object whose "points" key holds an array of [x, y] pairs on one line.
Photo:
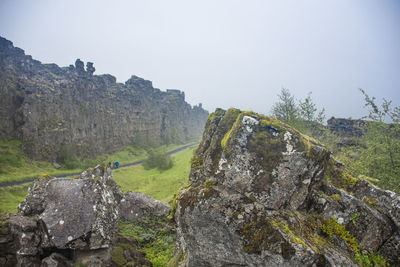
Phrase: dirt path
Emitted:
{"points": [[77, 173]]}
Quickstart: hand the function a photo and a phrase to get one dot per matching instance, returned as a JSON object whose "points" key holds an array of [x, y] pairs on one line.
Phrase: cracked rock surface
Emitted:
{"points": [[68, 221], [263, 194]]}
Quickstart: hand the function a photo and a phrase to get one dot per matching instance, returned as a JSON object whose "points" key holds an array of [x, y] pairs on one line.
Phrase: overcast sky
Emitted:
{"points": [[224, 53]]}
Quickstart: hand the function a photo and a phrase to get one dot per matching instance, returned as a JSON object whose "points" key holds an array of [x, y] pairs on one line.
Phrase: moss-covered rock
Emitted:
{"points": [[263, 194]]}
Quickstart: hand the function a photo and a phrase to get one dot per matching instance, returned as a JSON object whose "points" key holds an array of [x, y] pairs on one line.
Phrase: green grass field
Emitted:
{"points": [[11, 196], [159, 185], [15, 166]]}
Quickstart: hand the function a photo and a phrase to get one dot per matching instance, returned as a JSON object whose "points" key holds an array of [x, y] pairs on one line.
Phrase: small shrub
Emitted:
{"points": [[66, 157], [158, 159], [371, 260]]}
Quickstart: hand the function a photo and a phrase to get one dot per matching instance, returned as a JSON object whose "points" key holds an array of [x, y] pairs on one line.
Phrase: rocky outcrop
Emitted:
{"points": [[68, 221], [138, 207], [347, 127], [50, 108], [263, 194]]}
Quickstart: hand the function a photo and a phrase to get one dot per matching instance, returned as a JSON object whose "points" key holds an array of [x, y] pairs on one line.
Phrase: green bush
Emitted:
{"points": [[158, 159], [67, 158]]}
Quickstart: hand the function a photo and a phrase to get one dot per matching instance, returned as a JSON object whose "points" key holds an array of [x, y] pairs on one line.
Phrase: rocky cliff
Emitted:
{"points": [[48, 108], [263, 194]]}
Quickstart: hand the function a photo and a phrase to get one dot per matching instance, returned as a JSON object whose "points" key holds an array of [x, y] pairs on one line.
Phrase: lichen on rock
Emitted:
{"points": [[69, 220], [266, 195]]}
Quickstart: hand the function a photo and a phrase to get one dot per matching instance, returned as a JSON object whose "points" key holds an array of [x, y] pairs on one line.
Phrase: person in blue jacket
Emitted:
{"points": [[117, 164]]}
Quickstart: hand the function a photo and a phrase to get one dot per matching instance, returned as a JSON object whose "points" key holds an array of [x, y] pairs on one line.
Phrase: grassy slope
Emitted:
{"points": [[10, 197], [159, 185]]}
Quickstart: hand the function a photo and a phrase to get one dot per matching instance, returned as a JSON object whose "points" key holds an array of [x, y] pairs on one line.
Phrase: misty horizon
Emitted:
{"points": [[224, 54]]}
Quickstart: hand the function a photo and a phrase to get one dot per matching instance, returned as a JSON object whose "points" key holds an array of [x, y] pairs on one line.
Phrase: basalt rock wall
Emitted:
{"points": [[48, 107]]}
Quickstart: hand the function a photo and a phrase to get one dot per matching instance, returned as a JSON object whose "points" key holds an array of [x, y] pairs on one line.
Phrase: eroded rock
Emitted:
{"points": [[263, 194], [76, 219]]}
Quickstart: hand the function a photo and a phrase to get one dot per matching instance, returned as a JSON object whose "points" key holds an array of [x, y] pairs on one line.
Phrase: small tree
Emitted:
{"points": [[309, 112], [286, 109], [381, 157], [304, 116]]}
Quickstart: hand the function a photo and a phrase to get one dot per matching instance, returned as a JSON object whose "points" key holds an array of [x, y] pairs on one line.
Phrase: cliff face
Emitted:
{"points": [[263, 194], [48, 107]]}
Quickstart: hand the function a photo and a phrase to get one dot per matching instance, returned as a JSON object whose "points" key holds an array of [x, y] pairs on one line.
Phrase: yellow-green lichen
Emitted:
{"points": [[252, 198], [43, 176], [235, 214], [173, 203], [372, 202], [335, 197], [331, 227], [258, 236], [292, 236], [230, 123], [118, 256], [196, 161], [208, 189]]}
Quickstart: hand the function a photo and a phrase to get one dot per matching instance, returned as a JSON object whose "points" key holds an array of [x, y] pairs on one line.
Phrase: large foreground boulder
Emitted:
{"points": [[263, 194], [68, 221]]}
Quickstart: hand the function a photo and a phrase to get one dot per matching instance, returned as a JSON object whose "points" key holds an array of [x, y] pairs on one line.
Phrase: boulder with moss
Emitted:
{"points": [[263, 194], [68, 221]]}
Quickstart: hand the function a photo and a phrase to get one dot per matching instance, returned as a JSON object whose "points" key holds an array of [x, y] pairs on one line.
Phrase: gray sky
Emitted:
{"points": [[225, 53]]}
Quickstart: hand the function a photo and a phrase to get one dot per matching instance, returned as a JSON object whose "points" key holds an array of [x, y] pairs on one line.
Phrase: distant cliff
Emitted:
{"points": [[347, 127], [48, 107]]}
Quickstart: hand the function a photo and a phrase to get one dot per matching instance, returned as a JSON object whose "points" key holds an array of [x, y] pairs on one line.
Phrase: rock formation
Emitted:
{"points": [[50, 108], [138, 207], [347, 127], [68, 221], [263, 194]]}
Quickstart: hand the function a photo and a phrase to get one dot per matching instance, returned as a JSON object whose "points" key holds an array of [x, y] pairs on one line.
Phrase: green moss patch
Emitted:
{"points": [[259, 236], [293, 237], [339, 177], [196, 162], [331, 227], [151, 240]]}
